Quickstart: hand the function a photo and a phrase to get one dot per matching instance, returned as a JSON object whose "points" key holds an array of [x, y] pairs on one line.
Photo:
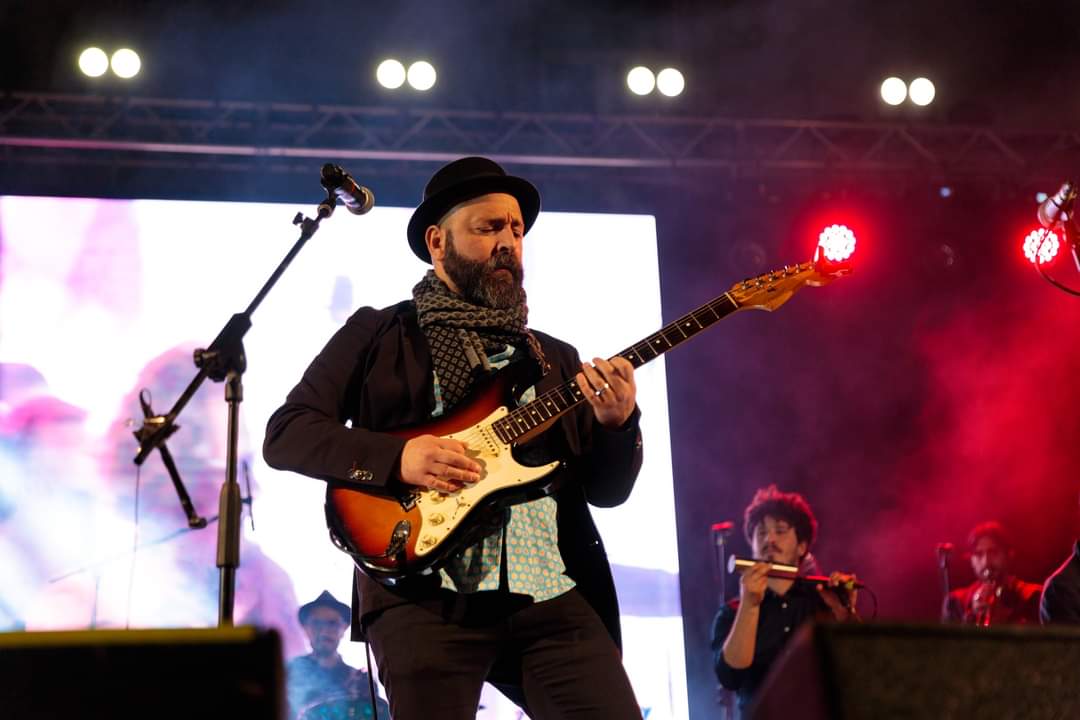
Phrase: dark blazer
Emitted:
{"points": [[376, 375], [1060, 601]]}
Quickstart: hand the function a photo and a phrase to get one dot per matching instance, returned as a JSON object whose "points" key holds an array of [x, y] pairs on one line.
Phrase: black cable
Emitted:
{"points": [[1067, 240], [873, 616], [1052, 281]]}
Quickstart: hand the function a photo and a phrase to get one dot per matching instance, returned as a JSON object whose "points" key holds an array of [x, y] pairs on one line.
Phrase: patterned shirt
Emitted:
{"points": [[533, 563]]}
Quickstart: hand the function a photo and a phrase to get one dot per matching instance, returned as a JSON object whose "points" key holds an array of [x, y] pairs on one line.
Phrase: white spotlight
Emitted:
{"points": [[390, 74], [893, 91], [921, 91], [640, 80], [125, 63], [421, 75], [93, 62], [670, 82]]}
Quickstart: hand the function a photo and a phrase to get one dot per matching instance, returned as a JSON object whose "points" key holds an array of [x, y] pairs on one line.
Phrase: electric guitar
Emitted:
{"points": [[392, 537]]}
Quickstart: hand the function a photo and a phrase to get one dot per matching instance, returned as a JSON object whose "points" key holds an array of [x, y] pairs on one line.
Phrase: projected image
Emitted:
{"points": [[102, 299]]}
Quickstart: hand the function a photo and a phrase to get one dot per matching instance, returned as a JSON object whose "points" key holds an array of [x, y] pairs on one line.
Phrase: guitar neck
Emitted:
{"points": [[560, 400]]}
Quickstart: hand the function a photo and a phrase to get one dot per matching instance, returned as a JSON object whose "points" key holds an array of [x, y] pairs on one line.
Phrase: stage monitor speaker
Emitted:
{"points": [[171, 674], [852, 672]]}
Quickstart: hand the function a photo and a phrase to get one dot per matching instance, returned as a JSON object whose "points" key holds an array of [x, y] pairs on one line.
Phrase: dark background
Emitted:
{"points": [[934, 388]]}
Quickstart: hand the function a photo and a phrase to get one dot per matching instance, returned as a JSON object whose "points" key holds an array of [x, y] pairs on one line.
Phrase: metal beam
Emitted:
{"points": [[734, 147]]}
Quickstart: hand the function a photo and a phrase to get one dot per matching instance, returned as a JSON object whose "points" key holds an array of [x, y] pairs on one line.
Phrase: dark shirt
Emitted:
{"points": [[1017, 604], [1061, 594], [779, 617], [309, 683]]}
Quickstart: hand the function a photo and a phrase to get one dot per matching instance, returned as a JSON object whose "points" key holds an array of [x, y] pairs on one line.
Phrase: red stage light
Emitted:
{"points": [[1043, 244], [837, 242]]}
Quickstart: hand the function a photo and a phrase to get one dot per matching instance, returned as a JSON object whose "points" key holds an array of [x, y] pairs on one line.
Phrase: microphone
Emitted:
{"points": [[723, 529], [786, 572], [1057, 208], [355, 197]]}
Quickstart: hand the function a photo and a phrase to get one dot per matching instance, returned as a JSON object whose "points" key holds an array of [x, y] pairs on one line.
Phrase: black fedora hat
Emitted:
{"points": [[325, 599], [462, 180]]}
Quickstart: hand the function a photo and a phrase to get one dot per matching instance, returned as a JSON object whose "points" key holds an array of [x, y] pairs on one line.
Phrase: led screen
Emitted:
{"points": [[100, 298]]}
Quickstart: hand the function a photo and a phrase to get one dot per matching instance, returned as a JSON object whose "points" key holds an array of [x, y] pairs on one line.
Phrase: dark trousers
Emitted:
{"points": [[554, 658]]}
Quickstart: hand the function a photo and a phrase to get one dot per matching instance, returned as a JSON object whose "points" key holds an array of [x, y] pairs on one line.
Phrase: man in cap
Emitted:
{"points": [[529, 606], [322, 675]]}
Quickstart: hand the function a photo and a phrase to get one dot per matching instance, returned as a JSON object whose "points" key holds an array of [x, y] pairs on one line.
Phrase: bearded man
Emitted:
{"points": [[529, 605], [749, 633]]}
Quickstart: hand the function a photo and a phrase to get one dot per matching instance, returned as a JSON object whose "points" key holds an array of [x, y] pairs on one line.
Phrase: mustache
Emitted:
{"points": [[504, 261]]}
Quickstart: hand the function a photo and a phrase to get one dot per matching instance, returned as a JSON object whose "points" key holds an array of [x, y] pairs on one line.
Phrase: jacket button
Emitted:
{"points": [[358, 475]]}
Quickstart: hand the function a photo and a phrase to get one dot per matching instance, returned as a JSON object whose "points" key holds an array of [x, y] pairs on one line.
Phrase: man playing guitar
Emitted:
{"points": [[527, 602]]}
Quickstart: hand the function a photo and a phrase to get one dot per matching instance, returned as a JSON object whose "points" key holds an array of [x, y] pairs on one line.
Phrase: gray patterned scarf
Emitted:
{"points": [[462, 335]]}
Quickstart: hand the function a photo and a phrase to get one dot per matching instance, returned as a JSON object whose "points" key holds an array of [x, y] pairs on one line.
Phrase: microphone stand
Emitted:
{"points": [[1072, 238], [224, 361], [720, 531], [944, 550]]}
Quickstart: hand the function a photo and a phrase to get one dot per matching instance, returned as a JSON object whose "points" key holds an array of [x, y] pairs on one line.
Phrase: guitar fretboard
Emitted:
{"points": [[565, 397]]}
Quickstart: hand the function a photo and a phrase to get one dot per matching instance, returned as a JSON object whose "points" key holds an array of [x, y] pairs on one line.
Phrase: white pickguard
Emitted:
{"points": [[442, 513]]}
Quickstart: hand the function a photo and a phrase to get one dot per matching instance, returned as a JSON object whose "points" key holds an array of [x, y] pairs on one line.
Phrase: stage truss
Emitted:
{"points": [[206, 134]]}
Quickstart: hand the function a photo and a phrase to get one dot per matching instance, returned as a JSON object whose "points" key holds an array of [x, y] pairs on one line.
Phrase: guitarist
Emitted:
{"points": [[529, 605]]}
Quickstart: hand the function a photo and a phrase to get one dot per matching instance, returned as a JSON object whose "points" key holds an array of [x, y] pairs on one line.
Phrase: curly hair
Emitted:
{"points": [[790, 507]]}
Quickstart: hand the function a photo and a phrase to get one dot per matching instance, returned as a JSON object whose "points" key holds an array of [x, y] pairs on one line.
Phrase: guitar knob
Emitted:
{"points": [[436, 518], [437, 497], [427, 541]]}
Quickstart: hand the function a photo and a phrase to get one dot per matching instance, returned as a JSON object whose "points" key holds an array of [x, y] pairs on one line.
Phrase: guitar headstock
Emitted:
{"points": [[832, 259], [771, 290]]}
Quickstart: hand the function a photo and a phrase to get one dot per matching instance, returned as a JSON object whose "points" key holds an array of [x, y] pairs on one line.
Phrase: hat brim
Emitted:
{"points": [[432, 210], [341, 608]]}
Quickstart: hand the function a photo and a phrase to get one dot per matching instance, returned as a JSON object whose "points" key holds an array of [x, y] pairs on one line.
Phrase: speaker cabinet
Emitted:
{"points": [[852, 672], [219, 673]]}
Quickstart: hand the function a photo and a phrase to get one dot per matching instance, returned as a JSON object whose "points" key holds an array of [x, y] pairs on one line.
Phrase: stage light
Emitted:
{"points": [[921, 91], [945, 191], [390, 74], [93, 62], [640, 80], [837, 242], [1043, 244], [1040, 197], [893, 91], [670, 82], [125, 63], [421, 75]]}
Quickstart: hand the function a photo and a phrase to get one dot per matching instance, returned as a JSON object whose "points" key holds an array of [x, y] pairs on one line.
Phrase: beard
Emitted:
{"points": [[481, 283], [323, 648]]}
